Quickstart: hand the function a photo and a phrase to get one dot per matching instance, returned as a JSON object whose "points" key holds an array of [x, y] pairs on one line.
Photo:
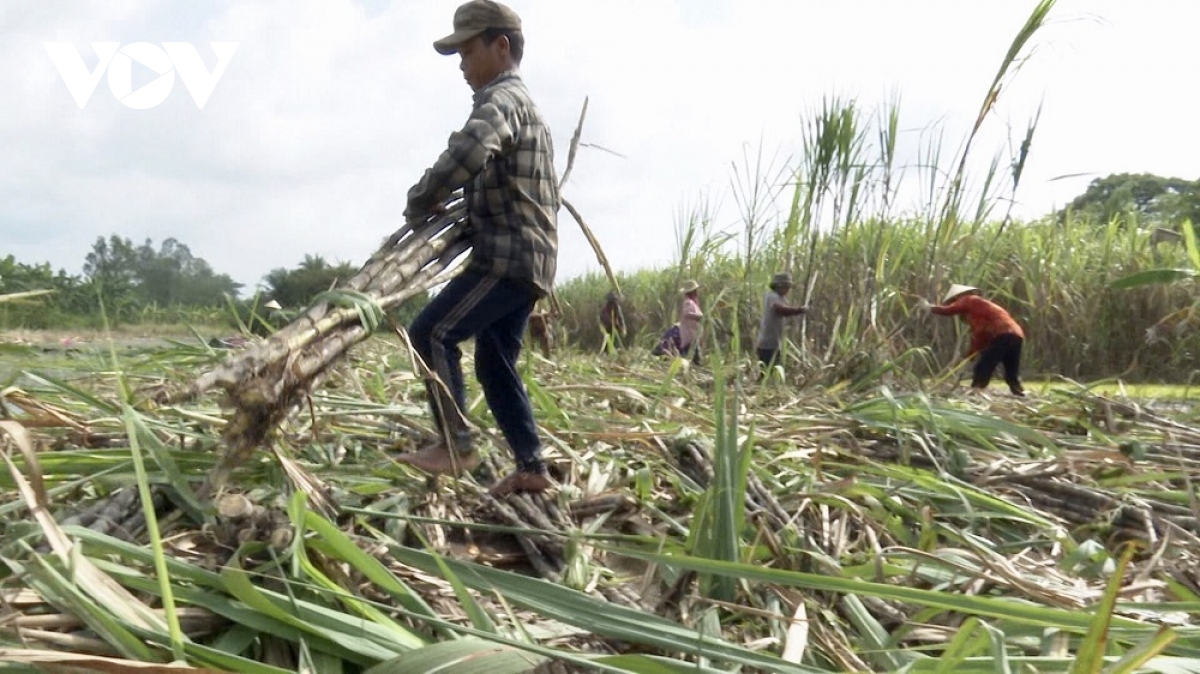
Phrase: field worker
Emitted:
{"points": [[689, 321], [612, 320], [770, 332], [503, 159], [541, 330], [682, 338], [995, 337]]}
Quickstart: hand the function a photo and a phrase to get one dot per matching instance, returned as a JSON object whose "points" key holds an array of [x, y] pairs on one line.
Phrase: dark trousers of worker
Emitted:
{"points": [[495, 312], [1004, 350], [769, 359]]}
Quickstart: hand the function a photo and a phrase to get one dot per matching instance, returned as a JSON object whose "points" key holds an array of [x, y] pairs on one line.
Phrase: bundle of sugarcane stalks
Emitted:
{"points": [[269, 379]]}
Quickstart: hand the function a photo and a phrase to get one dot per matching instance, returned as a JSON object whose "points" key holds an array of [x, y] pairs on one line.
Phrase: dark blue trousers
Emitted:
{"points": [[495, 312]]}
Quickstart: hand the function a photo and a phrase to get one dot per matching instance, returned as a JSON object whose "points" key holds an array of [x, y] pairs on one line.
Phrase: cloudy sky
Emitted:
{"points": [[329, 110]]}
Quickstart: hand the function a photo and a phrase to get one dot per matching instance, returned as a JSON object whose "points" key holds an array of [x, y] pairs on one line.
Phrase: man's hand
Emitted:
{"points": [[924, 304], [412, 216]]}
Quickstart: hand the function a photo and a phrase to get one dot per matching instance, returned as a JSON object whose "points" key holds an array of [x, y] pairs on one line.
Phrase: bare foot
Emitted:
{"points": [[522, 481], [437, 459]]}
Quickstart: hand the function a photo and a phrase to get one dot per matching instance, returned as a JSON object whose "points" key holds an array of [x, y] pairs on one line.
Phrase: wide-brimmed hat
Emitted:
{"points": [[272, 305], [781, 279], [474, 17], [956, 290], [689, 286]]}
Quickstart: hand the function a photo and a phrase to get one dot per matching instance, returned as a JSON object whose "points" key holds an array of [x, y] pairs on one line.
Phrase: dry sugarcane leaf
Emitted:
{"points": [[95, 582], [797, 635], [56, 661]]}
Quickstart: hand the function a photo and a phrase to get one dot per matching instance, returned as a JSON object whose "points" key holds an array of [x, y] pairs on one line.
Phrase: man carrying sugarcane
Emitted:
{"points": [[503, 159], [995, 336]]}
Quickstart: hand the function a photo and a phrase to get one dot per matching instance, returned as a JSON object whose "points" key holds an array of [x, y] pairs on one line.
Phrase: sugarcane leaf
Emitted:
{"points": [[180, 570], [999, 648], [1144, 653], [76, 392], [63, 592], [236, 639], [57, 660], [1048, 665], [966, 643], [312, 621], [298, 513], [90, 579], [147, 502], [575, 608], [214, 657], [141, 433], [650, 664], [24, 295], [479, 617], [1152, 277], [1090, 655], [249, 617], [357, 605], [341, 547], [995, 607], [461, 656], [1189, 241], [875, 637]]}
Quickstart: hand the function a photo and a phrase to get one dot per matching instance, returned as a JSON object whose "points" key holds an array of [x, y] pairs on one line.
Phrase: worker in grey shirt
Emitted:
{"points": [[770, 333]]}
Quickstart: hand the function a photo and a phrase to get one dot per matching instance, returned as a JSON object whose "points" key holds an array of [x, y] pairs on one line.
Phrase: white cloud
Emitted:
{"points": [[330, 109]]}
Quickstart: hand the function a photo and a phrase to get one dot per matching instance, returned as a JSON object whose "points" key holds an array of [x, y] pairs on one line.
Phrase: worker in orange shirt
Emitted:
{"points": [[995, 337]]}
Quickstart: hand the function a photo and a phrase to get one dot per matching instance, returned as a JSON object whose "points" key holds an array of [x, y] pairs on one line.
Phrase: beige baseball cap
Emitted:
{"points": [[474, 17]]}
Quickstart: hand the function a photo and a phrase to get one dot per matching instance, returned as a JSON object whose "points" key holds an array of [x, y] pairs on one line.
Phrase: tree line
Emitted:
{"points": [[1147, 199], [126, 283]]}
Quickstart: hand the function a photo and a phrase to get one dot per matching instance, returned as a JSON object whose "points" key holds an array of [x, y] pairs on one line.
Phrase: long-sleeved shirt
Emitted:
{"points": [[503, 158], [988, 320], [770, 331], [689, 322]]}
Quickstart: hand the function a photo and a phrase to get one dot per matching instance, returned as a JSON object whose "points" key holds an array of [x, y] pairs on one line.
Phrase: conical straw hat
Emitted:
{"points": [[956, 290]]}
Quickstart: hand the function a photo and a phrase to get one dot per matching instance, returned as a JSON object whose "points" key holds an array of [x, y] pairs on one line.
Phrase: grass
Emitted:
{"points": [[70, 352], [1144, 392], [893, 518], [861, 514]]}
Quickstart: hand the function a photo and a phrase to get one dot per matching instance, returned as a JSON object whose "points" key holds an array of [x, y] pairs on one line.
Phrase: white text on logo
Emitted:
{"points": [[171, 58]]}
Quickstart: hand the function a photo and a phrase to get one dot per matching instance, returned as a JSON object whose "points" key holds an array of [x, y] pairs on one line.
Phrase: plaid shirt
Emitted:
{"points": [[504, 161]]}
